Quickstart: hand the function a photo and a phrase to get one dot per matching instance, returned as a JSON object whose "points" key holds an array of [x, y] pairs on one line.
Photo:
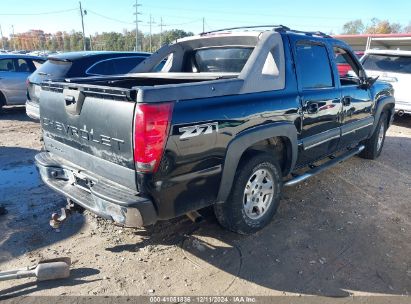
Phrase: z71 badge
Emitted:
{"points": [[192, 131]]}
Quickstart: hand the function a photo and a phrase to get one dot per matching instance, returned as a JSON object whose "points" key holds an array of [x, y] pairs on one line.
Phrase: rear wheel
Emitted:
{"points": [[374, 145], [2, 101], [255, 195]]}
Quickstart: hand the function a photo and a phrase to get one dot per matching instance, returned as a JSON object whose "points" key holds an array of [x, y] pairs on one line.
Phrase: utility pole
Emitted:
{"points": [[137, 13], [14, 40], [91, 44], [2, 40], [203, 25], [161, 31], [151, 23], [82, 25]]}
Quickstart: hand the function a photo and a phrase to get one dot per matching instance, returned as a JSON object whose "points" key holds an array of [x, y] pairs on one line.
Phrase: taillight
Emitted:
{"points": [[152, 122]]}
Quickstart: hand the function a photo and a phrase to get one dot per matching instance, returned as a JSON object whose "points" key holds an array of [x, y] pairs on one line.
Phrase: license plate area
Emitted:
{"points": [[81, 181]]}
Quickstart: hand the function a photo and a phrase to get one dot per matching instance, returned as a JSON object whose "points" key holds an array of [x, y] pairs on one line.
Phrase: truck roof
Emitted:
{"points": [[252, 31]]}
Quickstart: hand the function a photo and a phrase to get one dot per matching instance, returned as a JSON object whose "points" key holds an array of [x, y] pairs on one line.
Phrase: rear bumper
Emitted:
{"points": [[101, 196], [32, 110]]}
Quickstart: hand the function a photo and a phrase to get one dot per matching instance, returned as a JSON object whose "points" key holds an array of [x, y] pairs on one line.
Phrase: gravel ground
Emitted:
{"points": [[344, 232]]}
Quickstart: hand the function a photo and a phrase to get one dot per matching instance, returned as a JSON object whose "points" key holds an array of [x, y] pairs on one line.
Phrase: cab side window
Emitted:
{"points": [[313, 66], [348, 70]]}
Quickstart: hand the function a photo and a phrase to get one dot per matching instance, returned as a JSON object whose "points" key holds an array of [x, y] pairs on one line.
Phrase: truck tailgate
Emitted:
{"points": [[91, 127]]}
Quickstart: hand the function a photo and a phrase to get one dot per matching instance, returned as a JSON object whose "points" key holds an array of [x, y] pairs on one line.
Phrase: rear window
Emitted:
{"points": [[115, 66], [52, 69], [220, 59], [387, 63]]}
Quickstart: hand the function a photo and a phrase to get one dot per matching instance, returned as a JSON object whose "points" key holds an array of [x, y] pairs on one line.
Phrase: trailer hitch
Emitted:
{"points": [[57, 220]]}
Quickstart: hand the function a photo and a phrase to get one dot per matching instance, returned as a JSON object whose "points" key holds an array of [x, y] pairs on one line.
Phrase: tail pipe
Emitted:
{"points": [[400, 113], [195, 216]]}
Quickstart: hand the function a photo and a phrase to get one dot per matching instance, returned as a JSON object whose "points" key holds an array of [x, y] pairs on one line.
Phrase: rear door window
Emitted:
{"points": [[227, 59], [387, 63], [313, 66], [24, 66]]}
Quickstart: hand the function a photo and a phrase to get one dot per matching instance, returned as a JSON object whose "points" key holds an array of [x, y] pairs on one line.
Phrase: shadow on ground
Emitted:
{"points": [[77, 277], [29, 205], [331, 236], [403, 121], [14, 113]]}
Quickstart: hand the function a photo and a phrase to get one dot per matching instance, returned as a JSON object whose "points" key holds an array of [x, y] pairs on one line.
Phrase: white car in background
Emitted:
{"points": [[393, 66]]}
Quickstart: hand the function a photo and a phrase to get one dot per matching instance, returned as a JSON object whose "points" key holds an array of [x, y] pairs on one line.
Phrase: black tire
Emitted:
{"points": [[232, 214], [372, 148], [2, 101]]}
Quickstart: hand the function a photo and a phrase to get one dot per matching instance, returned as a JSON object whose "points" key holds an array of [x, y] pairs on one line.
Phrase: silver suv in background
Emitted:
{"points": [[393, 66], [14, 70], [78, 64]]}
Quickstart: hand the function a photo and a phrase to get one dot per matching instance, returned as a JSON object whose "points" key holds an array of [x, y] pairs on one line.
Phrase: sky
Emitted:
{"points": [[117, 15]]}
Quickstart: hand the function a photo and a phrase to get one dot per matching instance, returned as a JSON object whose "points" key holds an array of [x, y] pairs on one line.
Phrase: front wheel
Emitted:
{"points": [[374, 145], [255, 195]]}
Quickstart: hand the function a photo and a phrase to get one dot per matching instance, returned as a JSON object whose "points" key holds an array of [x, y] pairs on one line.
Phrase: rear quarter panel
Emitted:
{"points": [[191, 177]]}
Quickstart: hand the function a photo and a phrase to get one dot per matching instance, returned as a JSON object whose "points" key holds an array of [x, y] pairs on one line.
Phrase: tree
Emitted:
{"points": [[407, 29], [173, 35], [353, 27], [378, 26]]}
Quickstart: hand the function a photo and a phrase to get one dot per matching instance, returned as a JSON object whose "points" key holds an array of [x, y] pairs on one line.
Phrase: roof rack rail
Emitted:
{"points": [[273, 27], [278, 28], [316, 33]]}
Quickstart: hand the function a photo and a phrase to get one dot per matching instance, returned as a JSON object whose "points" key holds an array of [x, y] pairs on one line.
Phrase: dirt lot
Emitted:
{"points": [[346, 231]]}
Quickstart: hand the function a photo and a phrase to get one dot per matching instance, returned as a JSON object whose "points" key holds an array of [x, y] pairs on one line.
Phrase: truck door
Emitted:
{"points": [[320, 100], [356, 100]]}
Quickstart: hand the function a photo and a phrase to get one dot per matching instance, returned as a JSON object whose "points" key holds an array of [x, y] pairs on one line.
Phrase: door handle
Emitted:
{"points": [[346, 100], [312, 107]]}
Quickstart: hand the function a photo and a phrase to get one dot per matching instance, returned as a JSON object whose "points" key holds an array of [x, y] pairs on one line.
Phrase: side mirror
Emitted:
{"points": [[371, 80], [366, 82]]}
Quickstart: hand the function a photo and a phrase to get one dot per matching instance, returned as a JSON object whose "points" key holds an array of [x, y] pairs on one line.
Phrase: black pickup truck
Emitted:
{"points": [[232, 117]]}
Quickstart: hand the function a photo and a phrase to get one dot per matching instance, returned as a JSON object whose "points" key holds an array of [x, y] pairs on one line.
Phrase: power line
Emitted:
{"points": [[246, 13], [37, 14], [109, 18], [184, 23]]}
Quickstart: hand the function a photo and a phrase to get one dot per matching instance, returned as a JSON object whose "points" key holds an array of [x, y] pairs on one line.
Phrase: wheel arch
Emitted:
{"points": [[384, 104], [250, 140], [3, 99]]}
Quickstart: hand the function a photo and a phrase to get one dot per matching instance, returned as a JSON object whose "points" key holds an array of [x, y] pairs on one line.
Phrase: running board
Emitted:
{"points": [[331, 163]]}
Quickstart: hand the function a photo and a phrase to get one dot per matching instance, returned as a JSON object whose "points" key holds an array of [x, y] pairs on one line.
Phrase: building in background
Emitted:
{"points": [[363, 42]]}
